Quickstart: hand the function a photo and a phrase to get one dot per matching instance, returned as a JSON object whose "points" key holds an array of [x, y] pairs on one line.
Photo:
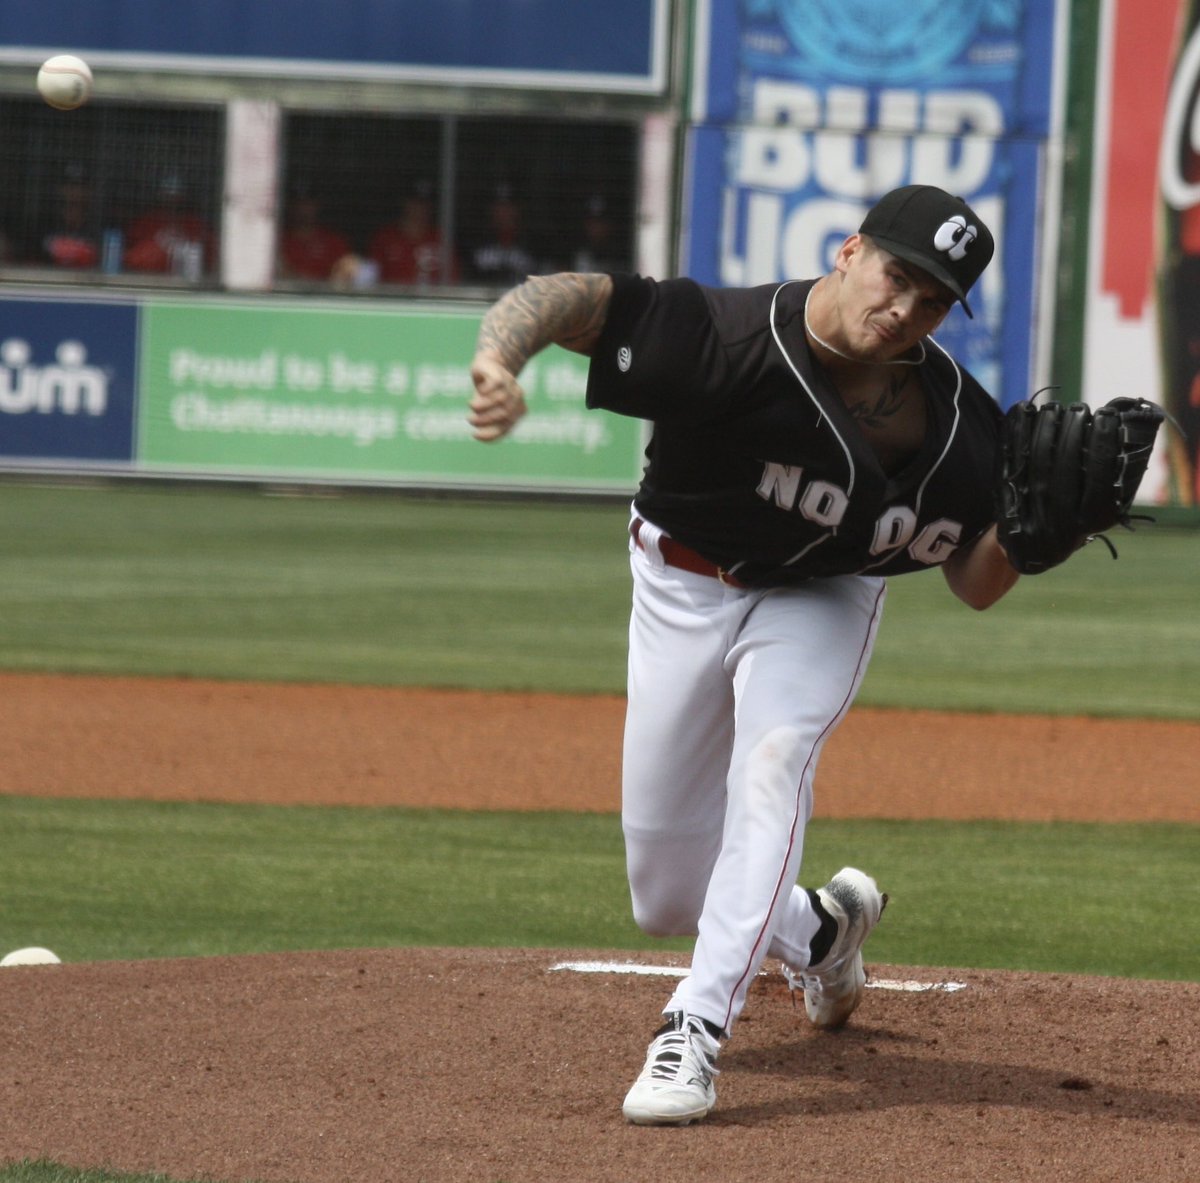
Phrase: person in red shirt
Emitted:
{"points": [[70, 240], [170, 237], [410, 249], [309, 249]]}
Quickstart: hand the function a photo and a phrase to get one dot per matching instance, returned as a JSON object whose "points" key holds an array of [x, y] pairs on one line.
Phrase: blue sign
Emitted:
{"points": [[67, 380], [577, 44], [807, 111]]}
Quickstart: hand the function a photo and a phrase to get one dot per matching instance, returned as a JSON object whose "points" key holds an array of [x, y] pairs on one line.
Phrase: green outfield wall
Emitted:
{"points": [[279, 390]]}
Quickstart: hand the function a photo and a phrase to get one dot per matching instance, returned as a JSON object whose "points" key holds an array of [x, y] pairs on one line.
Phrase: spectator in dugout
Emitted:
{"points": [[170, 236], [308, 247], [69, 239], [502, 258], [597, 248], [411, 249]]}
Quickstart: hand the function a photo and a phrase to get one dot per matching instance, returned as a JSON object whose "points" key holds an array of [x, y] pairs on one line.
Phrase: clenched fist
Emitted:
{"points": [[498, 402]]}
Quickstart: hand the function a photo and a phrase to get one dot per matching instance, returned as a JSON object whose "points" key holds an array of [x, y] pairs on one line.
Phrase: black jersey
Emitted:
{"points": [[755, 461]]}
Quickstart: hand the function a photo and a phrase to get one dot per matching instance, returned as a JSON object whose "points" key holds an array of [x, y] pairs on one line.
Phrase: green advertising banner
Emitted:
{"points": [[371, 395]]}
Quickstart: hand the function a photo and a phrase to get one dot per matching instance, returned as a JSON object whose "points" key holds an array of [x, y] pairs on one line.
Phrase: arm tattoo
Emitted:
{"points": [[890, 400], [567, 310]]}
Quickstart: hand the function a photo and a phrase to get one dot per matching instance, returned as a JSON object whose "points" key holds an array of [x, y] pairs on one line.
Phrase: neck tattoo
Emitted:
{"points": [[896, 361]]}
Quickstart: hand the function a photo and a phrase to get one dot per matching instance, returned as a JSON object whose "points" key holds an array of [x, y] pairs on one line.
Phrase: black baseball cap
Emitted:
{"points": [[941, 234]]}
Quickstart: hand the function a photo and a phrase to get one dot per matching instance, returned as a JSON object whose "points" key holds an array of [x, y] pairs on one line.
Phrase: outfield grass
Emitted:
{"points": [[44, 1171], [392, 590], [99, 880], [229, 583], [1092, 637]]}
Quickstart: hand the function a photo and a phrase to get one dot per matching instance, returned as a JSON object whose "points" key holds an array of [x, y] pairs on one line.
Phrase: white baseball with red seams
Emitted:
{"points": [[65, 81]]}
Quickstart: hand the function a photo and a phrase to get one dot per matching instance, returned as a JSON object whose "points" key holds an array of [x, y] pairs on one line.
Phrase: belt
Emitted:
{"points": [[675, 554]]}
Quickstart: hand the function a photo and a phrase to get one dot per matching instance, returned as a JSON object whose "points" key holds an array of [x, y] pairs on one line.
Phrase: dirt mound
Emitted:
{"points": [[450, 1065]]}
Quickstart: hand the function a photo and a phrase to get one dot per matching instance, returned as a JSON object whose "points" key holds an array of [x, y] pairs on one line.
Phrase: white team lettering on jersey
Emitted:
{"points": [[821, 502], [937, 542], [825, 504], [895, 528], [780, 483]]}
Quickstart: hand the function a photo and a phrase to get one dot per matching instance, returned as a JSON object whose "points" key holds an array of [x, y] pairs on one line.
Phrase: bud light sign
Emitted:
{"points": [[808, 111], [67, 380]]}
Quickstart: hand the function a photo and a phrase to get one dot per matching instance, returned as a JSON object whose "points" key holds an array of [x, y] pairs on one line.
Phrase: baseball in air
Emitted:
{"points": [[65, 81], [34, 955]]}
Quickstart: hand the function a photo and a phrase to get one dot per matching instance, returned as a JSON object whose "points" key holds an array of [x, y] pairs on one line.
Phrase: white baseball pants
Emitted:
{"points": [[731, 696]]}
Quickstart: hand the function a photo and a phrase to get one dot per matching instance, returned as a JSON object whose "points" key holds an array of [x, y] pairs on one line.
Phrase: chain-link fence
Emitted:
{"points": [[115, 174], [364, 202]]}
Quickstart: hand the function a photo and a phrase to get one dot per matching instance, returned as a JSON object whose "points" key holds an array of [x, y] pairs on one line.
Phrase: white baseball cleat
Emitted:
{"points": [[834, 987], [676, 1084]]}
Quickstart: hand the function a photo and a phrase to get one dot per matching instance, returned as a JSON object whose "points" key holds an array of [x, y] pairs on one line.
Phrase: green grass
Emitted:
{"points": [[43, 1171], [101, 880], [230, 583], [97, 880], [1093, 636], [392, 590]]}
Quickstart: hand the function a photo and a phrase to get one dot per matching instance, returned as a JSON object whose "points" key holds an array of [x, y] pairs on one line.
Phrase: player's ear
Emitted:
{"points": [[853, 246]]}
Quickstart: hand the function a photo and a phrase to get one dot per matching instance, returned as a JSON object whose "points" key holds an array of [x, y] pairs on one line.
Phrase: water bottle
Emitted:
{"points": [[193, 261], [111, 246]]}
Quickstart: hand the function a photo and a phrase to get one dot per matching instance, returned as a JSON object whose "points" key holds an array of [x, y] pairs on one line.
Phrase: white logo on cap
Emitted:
{"points": [[955, 237]]}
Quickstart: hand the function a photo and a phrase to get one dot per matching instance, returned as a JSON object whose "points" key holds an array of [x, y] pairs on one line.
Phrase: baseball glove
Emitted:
{"points": [[1067, 473]]}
